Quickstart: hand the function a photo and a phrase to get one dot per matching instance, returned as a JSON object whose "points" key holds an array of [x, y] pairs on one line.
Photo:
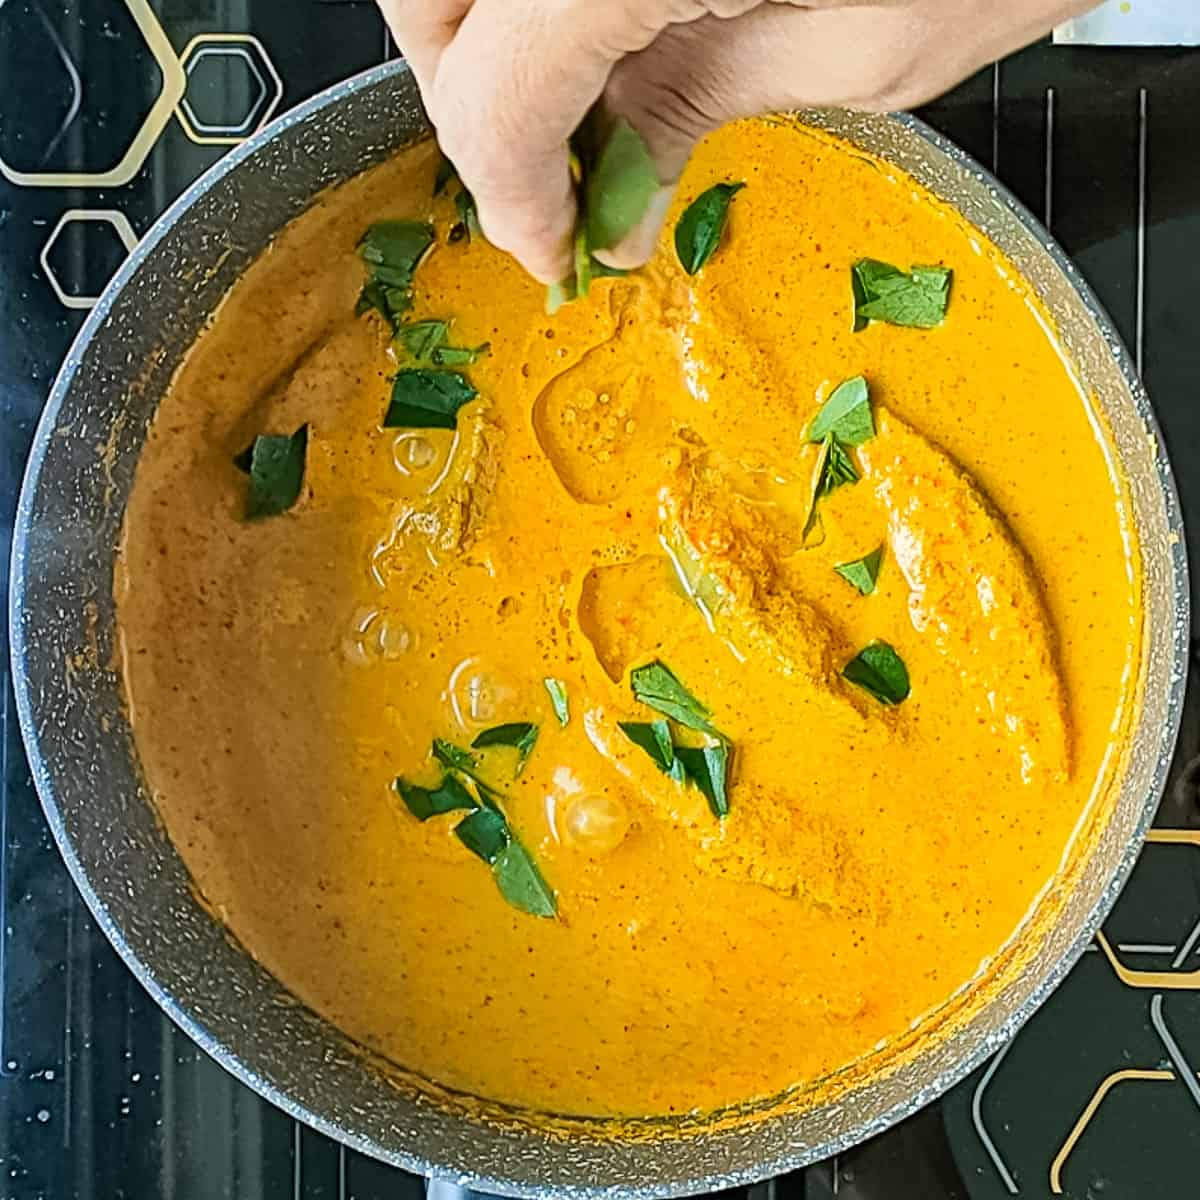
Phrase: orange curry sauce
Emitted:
{"points": [[283, 672]]}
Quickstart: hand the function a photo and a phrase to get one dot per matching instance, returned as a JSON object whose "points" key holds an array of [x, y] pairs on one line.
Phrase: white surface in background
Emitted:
{"points": [[1135, 23]]}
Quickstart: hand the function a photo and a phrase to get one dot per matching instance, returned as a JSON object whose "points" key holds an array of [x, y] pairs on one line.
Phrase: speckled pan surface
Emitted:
{"points": [[86, 767]]}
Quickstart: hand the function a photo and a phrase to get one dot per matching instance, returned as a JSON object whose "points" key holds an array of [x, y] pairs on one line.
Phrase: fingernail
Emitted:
{"points": [[636, 247]]}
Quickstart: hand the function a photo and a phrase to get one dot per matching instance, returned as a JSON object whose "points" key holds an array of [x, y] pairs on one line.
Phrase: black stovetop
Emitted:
{"points": [[100, 1096]]}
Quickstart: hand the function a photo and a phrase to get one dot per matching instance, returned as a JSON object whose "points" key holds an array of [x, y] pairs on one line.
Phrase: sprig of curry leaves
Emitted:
{"points": [[275, 464], [917, 299], [616, 180]]}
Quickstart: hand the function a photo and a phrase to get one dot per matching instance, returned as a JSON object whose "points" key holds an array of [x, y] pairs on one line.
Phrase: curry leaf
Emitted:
{"points": [[839, 466], [558, 699], [879, 670], [834, 468], [425, 342], [456, 758], [425, 399], [452, 756], [654, 738], [484, 832], [390, 302], [521, 735], [862, 572], [460, 356], [275, 464], [558, 294], [656, 685], [392, 250], [521, 883], [445, 172], [846, 415], [604, 271], [424, 803], [698, 233], [468, 215], [708, 768], [582, 262], [618, 186], [422, 338], [882, 292]]}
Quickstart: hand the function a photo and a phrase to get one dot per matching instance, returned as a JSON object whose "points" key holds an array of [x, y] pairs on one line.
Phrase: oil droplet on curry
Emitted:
{"points": [[634, 483]]}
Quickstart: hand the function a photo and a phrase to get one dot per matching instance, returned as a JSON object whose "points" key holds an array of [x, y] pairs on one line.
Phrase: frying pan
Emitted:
{"points": [[85, 762]]}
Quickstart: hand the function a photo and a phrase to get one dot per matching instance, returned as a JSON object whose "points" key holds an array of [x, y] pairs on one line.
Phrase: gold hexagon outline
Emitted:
{"points": [[273, 102], [1174, 980], [174, 84], [107, 216]]}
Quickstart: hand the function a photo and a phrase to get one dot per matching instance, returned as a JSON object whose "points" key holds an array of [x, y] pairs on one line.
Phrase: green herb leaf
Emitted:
{"points": [[879, 670], [425, 399], [558, 294], [558, 699], [521, 735], [699, 231], [391, 303], [395, 248], [424, 803], [422, 338], [834, 468], [656, 685], [456, 758], [392, 250], [839, 466], [468, 214], [883, 292], [654, 738], [460, 356], [583, 262], [862, 572], [425, 342], [484, 832], [452, 756], [604, 271], [445, 172], [618, 186], [275, 464], [846, 415], [708, 768], [521, 883]]}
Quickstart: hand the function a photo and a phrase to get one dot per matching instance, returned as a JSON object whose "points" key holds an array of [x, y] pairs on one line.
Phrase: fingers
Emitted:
{"points": [[422, 29], [510, 89]]}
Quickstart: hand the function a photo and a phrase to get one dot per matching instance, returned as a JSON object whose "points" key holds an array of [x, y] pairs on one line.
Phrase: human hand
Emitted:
{"points": [[507, 82]]}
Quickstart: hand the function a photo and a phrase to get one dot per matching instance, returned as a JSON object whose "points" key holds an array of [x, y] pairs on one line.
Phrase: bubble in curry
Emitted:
{"points": [[649, 706]]}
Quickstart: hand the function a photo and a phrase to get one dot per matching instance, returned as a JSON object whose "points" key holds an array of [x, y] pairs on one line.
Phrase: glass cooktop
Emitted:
{"points": [[108, 109]]}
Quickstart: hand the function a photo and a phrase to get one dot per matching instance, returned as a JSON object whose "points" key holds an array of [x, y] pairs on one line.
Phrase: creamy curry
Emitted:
{"points": [[804, 858]]}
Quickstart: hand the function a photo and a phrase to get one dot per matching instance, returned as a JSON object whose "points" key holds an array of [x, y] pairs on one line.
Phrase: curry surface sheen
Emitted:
{"points": [[281, 673]]}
